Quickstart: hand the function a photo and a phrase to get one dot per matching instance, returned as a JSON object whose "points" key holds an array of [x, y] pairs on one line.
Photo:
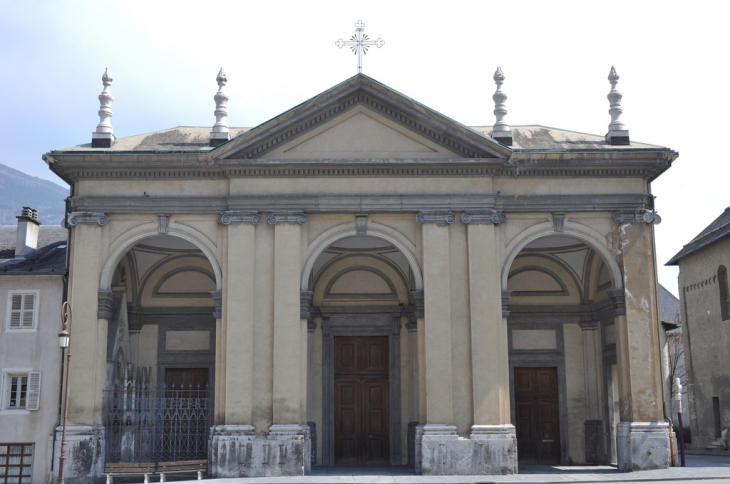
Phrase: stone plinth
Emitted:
{"points": [[236, 451], [642, 446], [84, 453], [490, 449]]}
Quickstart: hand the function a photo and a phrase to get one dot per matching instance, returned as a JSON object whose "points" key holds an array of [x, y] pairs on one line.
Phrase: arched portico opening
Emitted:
{"points": [[562, 347], [361, 289], [159, 399]]}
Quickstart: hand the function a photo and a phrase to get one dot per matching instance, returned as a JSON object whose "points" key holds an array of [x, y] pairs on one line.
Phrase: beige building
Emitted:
{"points": [[32, 280], [364, 281], [705, 304]]}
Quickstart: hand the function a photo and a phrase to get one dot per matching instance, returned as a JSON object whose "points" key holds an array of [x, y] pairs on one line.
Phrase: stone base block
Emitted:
{"points": [[85, 453], [236, 451], [642, 446], [490, 449], [594, 442]]}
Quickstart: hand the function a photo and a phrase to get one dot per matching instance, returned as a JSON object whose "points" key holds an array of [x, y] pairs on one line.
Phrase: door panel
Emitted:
{"points": [[537, 415], [361, 401]]}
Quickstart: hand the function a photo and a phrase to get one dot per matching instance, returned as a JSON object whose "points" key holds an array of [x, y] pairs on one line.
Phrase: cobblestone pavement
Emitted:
{"points": [[711, 469]]}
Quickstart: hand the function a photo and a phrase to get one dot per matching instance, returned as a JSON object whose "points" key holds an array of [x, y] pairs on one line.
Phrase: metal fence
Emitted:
{"points": [[153, 425]]}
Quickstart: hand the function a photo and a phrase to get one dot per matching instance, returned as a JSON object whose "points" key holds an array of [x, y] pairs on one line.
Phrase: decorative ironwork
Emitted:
{"points": [[155, 425], [359, 43]]}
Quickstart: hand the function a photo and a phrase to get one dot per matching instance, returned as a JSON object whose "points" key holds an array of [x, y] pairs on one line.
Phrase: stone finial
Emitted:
{"points": [[617, 132], [103, 137], [501, 131], [220, 134]]}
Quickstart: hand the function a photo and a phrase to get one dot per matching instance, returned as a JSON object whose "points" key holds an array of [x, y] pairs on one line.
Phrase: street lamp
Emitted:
{"points": [[64, 341]]}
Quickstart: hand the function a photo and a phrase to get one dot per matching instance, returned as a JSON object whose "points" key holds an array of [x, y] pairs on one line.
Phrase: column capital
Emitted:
{"points": [[229, 216], [218, 300], [638, 215], [439, 217], [290, 217], [505, 300], [486, 216], [618, 299], [418, 302], [75, 218]]}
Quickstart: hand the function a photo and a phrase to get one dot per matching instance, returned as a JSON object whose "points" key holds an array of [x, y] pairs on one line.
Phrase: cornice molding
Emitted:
{"points": [[481, 217], [242, 216], [357, 204], [136, 166], [75, 218]]}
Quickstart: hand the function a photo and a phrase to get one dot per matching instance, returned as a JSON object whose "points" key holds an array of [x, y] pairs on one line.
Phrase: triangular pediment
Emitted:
{"points": [[361, 119], [360, 133]]}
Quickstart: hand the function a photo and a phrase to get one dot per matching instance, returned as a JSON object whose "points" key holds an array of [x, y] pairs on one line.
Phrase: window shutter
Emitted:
{"points": [[34, 390], [16, 308], [3, 400], [28, 310]]}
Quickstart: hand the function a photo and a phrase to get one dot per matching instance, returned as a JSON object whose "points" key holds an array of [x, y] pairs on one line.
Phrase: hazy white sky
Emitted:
{"points": [[164, 55]]}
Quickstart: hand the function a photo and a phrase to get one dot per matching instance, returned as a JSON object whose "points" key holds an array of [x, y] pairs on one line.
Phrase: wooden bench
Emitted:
{"points": [[129, 469], [182, 467]]}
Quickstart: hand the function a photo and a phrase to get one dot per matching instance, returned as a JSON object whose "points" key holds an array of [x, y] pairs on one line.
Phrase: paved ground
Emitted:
{"points": [[709, 468]]}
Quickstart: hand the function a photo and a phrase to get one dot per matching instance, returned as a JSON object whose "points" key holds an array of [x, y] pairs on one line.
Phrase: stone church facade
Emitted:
{"points": [[364, 281]]}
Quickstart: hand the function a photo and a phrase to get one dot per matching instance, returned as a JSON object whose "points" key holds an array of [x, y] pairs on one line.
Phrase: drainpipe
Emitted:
{"points": [[65, 298]]}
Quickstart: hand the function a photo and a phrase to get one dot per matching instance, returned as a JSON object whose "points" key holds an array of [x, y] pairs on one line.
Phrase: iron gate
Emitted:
{"points": [[153, 425]]}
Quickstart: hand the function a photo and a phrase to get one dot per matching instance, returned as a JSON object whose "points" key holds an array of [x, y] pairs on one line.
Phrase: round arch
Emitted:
{"points": [[545, 230], [371, 232], [105, 280]]}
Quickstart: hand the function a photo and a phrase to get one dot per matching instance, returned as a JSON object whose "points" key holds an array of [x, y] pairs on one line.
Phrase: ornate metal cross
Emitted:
{"points": [[359, 43]]}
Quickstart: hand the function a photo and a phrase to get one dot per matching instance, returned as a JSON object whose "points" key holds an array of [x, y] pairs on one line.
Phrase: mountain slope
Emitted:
{"points": [[18, 190]]}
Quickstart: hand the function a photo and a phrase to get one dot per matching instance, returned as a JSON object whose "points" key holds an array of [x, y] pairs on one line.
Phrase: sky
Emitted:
{"points": [[164, 56]]}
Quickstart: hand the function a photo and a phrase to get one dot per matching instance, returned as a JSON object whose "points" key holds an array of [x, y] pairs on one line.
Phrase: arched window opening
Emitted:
{"points": [[724, 292]]}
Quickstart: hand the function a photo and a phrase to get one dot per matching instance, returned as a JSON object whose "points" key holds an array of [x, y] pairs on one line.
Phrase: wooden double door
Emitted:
{"points": [[361, 400], [536, 409]]}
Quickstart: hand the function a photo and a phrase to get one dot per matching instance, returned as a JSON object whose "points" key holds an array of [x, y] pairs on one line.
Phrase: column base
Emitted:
{"points": [[236, 451], [417, 454], [490, 449], [85, 453], [642, 446]]}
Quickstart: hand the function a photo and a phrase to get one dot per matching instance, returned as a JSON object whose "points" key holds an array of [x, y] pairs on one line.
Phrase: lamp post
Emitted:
{"points": [[64, 341]]}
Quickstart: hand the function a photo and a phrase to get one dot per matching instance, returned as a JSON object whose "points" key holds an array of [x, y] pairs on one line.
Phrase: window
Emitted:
{"points": [[16, 462], [22, 389], [22, 313], [724, 293]]}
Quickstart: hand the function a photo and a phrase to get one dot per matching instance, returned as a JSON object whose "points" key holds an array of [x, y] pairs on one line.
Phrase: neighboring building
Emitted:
{"points": [[32, 278], [705, 297], [672, 354], [362, 280]]}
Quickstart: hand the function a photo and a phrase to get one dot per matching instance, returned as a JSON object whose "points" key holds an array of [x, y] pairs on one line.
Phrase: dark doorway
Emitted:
{"points": [[361, 400], [536, 410]]}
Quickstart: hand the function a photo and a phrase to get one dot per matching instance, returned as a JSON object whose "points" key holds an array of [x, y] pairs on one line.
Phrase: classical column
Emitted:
{"points": [[290, 349], [92, 310], [595, 452], [642, 435], [412, 327], [439, 429], [492, 429]]}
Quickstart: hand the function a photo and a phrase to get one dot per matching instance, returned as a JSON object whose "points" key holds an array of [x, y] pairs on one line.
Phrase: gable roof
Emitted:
{"points": [[50, 256], [718, 229]]}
